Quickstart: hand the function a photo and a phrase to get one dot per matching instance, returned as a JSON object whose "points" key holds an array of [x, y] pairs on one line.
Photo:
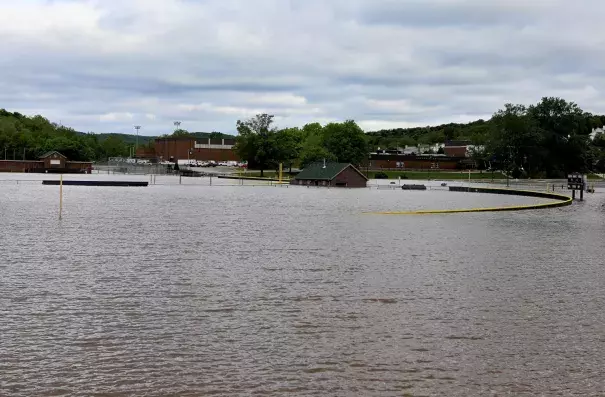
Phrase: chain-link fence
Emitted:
{"points": [[123, 167]]}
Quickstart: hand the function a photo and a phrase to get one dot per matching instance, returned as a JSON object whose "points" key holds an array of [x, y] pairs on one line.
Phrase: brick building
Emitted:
{"points": [[413, 162], [330, 174], [456, 148], [52, 161], [179, 148]]}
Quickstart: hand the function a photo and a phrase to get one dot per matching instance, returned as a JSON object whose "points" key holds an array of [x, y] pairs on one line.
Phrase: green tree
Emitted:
{"points": [[113, 146], [346, 141], [288, 146], [565, 129], [180, 133], [215, 135], [312, 145], [256, 142], [515, 139]]}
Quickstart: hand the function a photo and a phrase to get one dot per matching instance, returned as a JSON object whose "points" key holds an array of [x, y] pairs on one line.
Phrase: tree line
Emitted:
{"points": [[264, 146], [547, 139], [27, 138]]}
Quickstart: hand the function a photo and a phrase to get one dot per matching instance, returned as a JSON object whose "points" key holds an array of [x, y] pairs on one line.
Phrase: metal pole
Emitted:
{"points": [[137, 127]]}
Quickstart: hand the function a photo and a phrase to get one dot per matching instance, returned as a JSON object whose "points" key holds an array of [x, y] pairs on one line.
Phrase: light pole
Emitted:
{"points": [[137, 127], [177, 125]]}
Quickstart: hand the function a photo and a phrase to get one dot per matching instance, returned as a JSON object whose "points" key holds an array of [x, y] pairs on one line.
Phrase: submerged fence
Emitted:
{"points": [[130, 169]]}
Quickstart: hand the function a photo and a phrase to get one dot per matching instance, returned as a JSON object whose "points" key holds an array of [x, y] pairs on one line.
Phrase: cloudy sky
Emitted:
{"points": [[106, 65]]}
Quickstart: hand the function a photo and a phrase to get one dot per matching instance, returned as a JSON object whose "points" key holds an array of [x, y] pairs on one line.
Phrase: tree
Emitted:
{"points": [[180, 133], [114, 146], [288, 146], [346, 141], [515, 138], [312, 146], [256, 142], [565, 129]]}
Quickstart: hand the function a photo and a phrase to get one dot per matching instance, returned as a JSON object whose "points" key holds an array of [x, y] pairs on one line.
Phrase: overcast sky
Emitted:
{"points": [[107, 65]]}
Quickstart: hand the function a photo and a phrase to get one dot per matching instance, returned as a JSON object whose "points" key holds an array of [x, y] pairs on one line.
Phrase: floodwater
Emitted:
{"points": [[272, 291]]}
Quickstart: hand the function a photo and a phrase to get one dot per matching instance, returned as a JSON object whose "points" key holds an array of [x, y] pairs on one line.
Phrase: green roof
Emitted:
{"points": [[48, 154], [318, 172]]}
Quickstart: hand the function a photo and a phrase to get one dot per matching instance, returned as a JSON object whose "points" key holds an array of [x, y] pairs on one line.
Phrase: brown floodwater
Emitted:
{"points": [[274, 291]]}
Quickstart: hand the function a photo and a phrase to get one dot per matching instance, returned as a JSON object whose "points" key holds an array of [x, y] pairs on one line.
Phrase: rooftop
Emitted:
{"points": [[320, 172]]}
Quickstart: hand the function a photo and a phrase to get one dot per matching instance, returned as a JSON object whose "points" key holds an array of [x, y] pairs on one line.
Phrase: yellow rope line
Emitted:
{"points": [[565, 200]]}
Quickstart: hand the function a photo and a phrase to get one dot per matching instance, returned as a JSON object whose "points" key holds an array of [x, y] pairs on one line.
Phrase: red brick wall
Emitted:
{"points": [[145, 152], [47, 163], [19, 166], [416, 164], [24, 166], [78, 165], [455, 151], [350, 177], [215, 155], [179, 149]]}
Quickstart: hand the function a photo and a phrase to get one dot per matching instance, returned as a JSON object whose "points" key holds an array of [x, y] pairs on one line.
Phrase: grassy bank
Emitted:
{"points": [[445, 175], [267, 174], [595, 177], [415, 175]]}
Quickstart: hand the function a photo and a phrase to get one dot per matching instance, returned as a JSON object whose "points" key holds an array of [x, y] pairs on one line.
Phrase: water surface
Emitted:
{"points": [[258, 290]]}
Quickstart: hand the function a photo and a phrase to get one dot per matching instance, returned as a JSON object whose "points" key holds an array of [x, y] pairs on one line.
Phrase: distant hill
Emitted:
{"points": [[476, 131], [130, 139]]}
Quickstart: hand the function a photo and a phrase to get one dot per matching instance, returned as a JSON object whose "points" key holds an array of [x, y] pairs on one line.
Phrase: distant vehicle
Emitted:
{"points": [[188, 163]]}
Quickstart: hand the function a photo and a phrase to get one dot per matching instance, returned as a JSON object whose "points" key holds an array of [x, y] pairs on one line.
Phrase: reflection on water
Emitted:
{"points": [[185, 290]]}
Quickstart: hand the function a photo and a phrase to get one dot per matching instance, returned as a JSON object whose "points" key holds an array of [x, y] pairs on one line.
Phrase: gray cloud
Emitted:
{"points": [[438, 13], [105, 65]]}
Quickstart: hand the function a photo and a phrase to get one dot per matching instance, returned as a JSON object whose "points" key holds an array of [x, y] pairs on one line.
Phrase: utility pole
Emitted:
{"points": [[137, 127], [177, 125]]}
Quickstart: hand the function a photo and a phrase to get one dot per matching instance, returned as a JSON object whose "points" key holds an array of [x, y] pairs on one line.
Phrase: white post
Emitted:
{"points": [[61, 196]]}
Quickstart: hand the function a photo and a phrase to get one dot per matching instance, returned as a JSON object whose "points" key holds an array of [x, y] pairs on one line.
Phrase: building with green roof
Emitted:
{"points": [[330, 175]]}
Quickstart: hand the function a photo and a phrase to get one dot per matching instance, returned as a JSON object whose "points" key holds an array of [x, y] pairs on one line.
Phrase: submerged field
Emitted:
{"points": [[231, 290]]}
